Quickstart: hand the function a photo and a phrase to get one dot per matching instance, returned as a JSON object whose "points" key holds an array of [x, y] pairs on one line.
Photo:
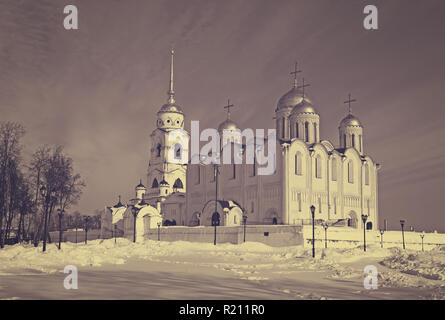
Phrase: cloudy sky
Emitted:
{"points": [[96, 90]]}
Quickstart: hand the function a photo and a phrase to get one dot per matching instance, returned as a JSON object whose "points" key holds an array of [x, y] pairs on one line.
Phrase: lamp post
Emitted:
{"points": [[364, 218], [135, 211], [422, 235], [325, 226], [313, 230], [49, 198], [159, 231], [402, 223], [60, 213], [86, 219], [215, 223], [382, 231], [245, 222]]}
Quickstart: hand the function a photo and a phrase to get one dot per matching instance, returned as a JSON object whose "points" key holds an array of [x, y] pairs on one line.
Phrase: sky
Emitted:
{"points": [[96, 90]]}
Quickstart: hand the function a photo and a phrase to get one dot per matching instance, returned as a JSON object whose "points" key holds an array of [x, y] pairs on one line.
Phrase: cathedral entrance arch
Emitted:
{"points": [[352, 220]]}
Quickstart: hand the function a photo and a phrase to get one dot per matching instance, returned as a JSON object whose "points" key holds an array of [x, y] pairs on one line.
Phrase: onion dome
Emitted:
{"points": [[163, 183], [119, 204], [350, 121], [305, 106], [227, 125], [140, 185]]}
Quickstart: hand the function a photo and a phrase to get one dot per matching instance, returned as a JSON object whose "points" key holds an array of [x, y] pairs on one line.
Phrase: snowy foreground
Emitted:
{"points": [[261, 271]]}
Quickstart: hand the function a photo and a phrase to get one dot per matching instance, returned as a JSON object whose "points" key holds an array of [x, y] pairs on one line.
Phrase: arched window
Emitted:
{"points": [[350, 172], [360, 142], [353, 140], [318, 167], [178, 184], [178, 151], [334, 169], [155, 183], [344, 140], [296, 131], [366, 174], [158, 148], [298, 163], [306, 131], [315, 132]]}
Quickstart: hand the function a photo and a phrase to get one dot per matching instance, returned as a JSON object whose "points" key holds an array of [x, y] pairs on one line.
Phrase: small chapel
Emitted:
{"points": [[338, 178]]}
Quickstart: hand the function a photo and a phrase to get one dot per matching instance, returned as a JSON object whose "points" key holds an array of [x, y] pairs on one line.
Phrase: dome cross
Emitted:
{"points": [[349, 101], [228, 106], [294, 73], [304, 85]]}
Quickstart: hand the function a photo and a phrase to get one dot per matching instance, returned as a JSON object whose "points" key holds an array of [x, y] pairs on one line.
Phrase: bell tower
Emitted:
{"points": [[167, 167]]}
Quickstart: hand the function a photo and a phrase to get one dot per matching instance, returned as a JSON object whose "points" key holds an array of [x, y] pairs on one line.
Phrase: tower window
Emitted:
{"points": [[353, 141], [178, 184], [360, 142], [315, 132], [178, 151], [158, 148], [306, 131], [296, 131], [344, 140], [284, 127], [155, 183]]}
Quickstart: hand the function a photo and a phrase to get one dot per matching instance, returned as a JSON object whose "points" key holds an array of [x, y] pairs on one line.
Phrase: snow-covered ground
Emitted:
{"points": [[280, 272]]}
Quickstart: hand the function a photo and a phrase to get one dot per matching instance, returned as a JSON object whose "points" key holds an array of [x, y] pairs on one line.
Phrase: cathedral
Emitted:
{"points": [[339, 180]]}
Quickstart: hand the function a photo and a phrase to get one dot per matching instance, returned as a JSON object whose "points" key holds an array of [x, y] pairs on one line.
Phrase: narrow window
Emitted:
{"points": [[296, 131], [334, 169], [158, 148], [298, 165], [344, 140], [360, 142], [284, 127], [367, 203], [350, 172], [198, 174], [306, 131], [315, 132], [319, 204], [353, 141], [155, 183], [335, 205], [366, 174], [178, 151], [318, 166]]}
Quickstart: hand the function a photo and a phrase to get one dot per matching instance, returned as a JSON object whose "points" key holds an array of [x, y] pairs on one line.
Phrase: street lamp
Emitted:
{"points": [[313, 230], [86, 219], [382, 231], [422, 235], [60, 213], [325, 226], [402, 223], [245, 222], [135, 211], [159, 231], [215, 223], [364, 218]]}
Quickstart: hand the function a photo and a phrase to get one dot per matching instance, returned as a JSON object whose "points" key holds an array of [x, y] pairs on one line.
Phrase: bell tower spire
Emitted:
{"points": [[171, 91]]}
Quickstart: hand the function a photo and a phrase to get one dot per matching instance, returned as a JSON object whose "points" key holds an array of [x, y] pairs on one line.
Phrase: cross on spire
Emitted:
{"points": [[349, 101], [303, 86], [228, 106], [171, 91], [294, 73]]}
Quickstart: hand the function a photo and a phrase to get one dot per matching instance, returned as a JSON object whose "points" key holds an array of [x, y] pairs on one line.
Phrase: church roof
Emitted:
{"points": [[227, 125], [171, 107], [292, 98]]}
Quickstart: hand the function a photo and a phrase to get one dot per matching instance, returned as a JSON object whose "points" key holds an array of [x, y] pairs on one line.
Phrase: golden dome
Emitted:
{"points": [[304, 107], [227, 125], [171, 107], [292, 98], [350, 121]]}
